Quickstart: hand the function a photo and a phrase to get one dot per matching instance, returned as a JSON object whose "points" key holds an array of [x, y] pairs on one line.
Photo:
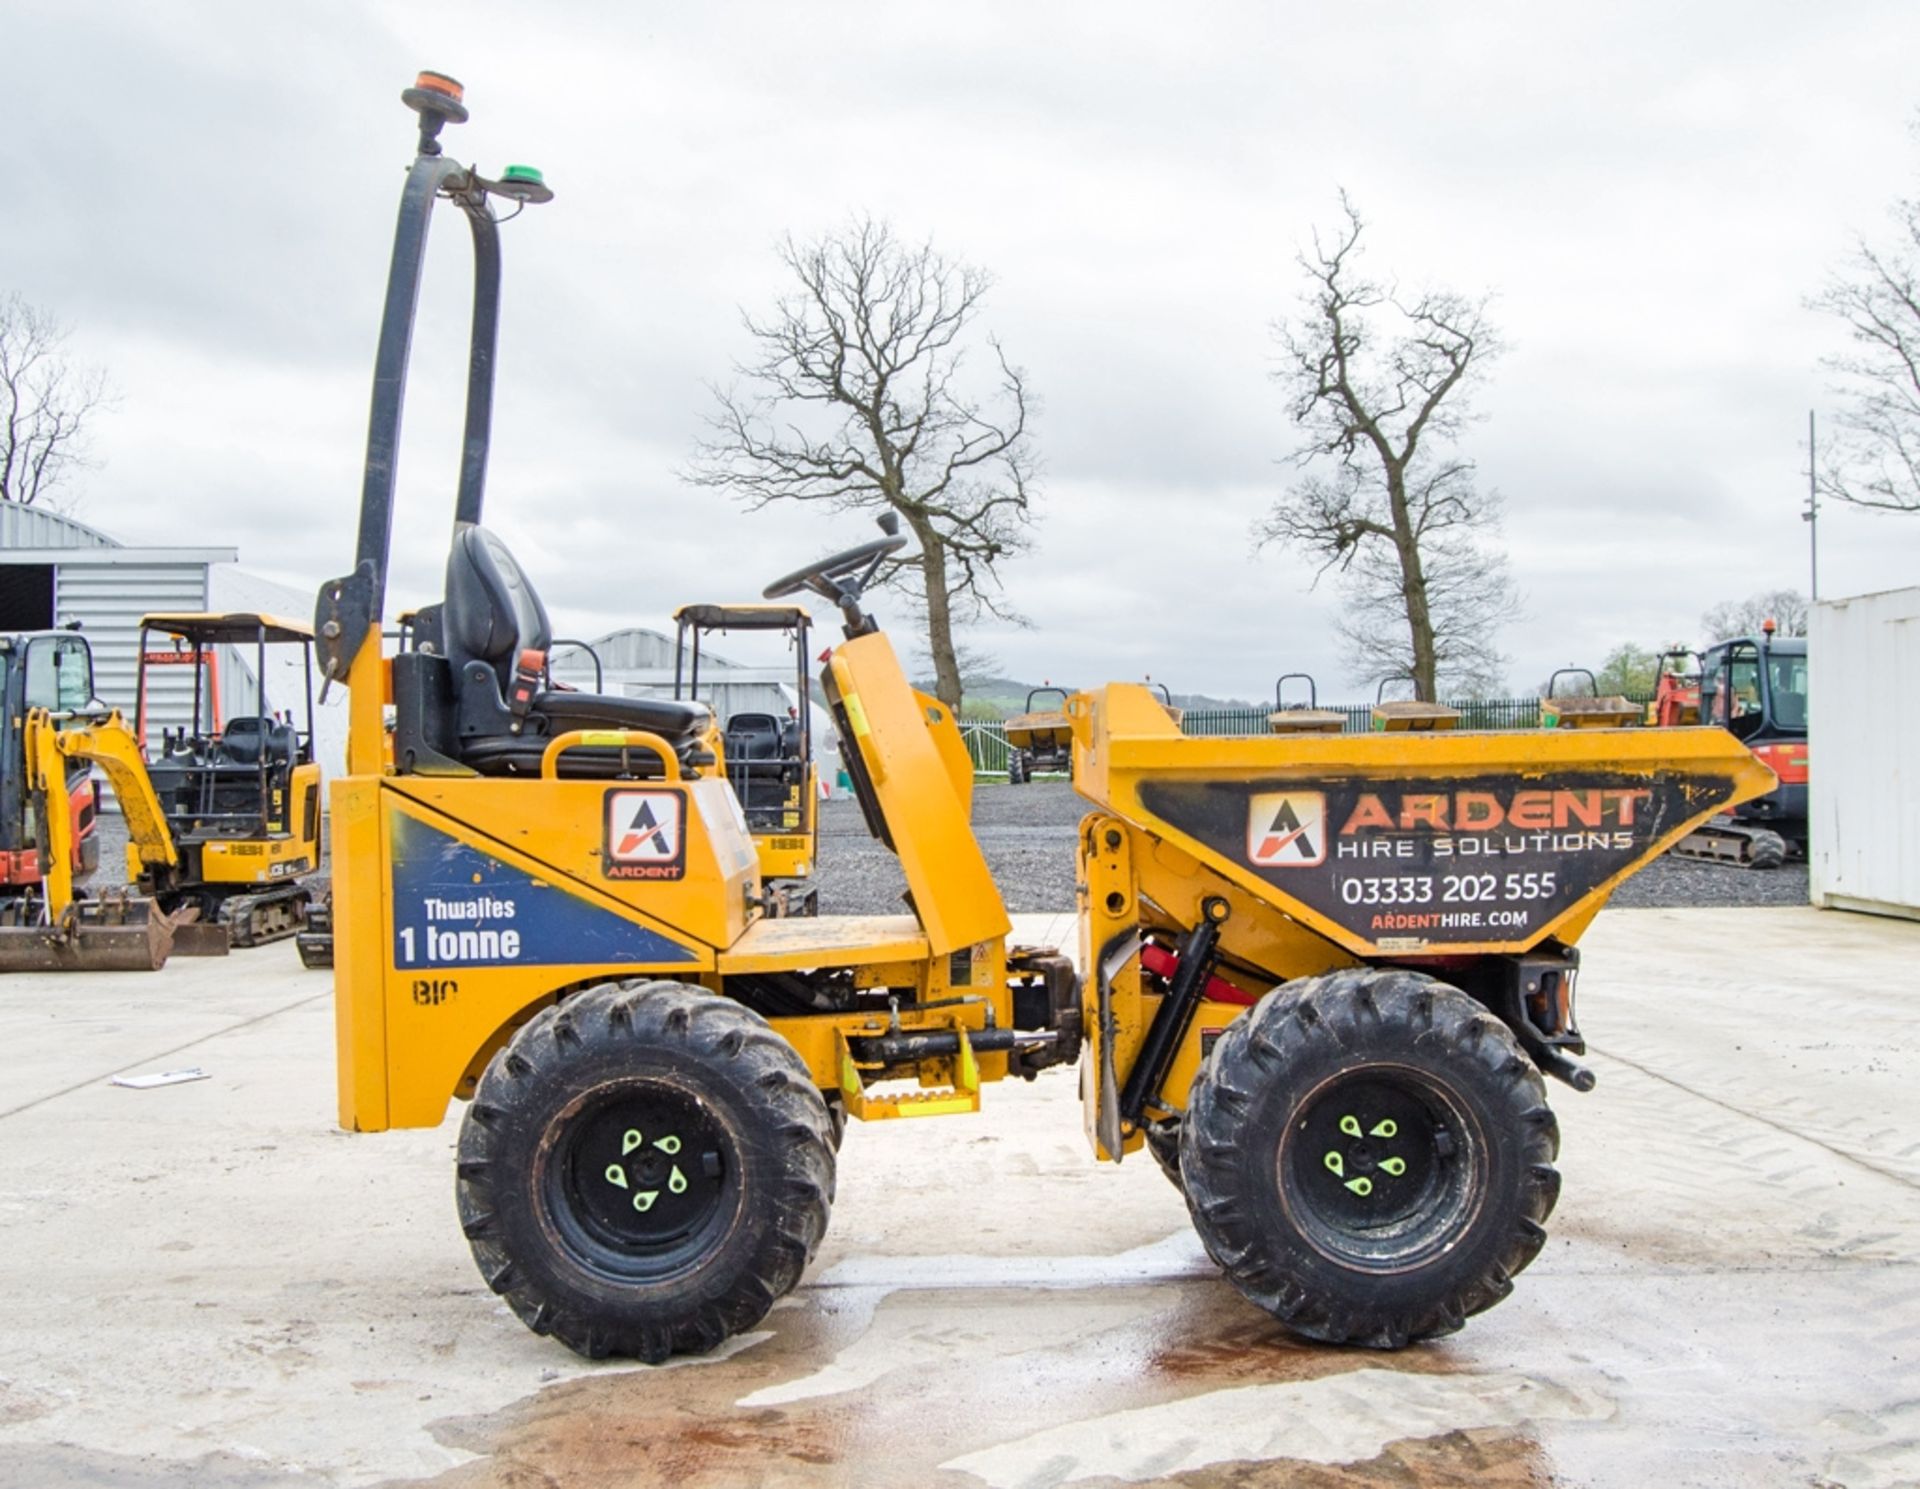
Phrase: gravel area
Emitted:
{"points": [[1026, 831], [1670, 883], [1028, 834]]}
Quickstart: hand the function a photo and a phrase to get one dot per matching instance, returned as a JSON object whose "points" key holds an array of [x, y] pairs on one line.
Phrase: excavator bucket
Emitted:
{"points": [[1397, 844], [109, 935], [193, 936]]}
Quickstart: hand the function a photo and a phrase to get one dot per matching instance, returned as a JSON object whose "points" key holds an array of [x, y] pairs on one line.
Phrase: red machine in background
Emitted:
{"points": [[1755, 687]]}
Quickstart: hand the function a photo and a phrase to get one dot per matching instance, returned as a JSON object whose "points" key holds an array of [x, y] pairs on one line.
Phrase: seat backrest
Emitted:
{"points": [[753, 736], [244, 739], [492, 614]]}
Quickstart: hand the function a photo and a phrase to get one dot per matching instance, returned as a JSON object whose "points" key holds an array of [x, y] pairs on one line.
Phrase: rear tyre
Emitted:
{"points": [[644, 1170], [1766, 850], [1017, 770], [1369, 1157]]}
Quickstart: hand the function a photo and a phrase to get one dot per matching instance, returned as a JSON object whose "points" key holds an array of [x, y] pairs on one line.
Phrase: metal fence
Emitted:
{"points": [[987, 738]]}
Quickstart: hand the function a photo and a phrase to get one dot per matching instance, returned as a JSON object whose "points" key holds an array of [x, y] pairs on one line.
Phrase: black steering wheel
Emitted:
{"points": [[819, 577]]}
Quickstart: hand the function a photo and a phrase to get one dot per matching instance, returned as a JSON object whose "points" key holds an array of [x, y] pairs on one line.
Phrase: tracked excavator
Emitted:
{"points": [[221, 826]]}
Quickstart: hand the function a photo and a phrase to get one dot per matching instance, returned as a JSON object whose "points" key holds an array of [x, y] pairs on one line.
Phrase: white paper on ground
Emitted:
{"points": [[160, 1078]]}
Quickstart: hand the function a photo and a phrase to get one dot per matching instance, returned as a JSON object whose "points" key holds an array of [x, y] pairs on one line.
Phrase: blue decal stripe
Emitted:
{"points": [[456, 906]]}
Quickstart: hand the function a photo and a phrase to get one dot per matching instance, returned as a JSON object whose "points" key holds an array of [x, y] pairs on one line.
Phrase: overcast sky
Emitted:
{"points": [[205, 191]]}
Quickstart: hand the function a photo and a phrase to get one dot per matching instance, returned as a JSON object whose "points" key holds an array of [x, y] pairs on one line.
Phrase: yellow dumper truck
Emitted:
{"points": [[1320, 977]]}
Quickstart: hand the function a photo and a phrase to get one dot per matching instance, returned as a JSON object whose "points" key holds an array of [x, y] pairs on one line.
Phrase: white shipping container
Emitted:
{"points": [[1864, 737]]}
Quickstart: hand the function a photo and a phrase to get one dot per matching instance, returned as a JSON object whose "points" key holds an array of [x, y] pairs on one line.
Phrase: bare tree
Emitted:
{"points": [[47, 402], [1786, 608], [859, 397], [1379, 385], [1873, 460]]}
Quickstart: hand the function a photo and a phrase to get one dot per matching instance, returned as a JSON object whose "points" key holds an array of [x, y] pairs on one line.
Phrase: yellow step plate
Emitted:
{"points": [[866, 1107]]}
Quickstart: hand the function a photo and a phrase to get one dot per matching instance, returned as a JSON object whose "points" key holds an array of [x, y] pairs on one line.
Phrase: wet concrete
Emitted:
{"points": [[204, 1285]]}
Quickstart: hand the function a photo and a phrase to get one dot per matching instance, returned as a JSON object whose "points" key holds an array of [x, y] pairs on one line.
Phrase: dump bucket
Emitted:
{"points": [[1306, 721], [1414, 844], [1409, 715], [1587, 712]]}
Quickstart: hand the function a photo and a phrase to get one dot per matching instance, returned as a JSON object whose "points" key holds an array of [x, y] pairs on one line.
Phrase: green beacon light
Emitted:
{"points": [[523, 183]]}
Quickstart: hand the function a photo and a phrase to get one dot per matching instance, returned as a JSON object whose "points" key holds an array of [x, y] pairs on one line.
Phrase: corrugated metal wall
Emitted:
{"points": [[1863, 762], [108, 601]]}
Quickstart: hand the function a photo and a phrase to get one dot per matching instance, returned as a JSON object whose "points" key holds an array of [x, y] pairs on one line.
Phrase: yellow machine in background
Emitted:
{"points": [[768, 757], [239, 794], [1320, 976], [221, 826], [1039, 738], [1302, 718], [1589, 710], [56, 928]]}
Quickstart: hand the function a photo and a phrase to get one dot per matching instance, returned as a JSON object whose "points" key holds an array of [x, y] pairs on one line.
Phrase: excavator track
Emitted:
{"points": [[1723, 840], [271, 915], [316, 941]]}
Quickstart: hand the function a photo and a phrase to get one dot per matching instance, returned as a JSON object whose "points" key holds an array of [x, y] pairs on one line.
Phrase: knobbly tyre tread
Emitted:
{"points": [[1163, 1142], [1766, 850], [749, 1073], [1269, 1058]]}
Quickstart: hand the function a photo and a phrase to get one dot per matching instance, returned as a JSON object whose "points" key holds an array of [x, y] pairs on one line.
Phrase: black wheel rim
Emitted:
{"points": [[641, 1181], [1381, 1169]]}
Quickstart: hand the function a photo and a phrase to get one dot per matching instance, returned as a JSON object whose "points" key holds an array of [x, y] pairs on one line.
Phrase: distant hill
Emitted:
{"points": [[996, 697]]}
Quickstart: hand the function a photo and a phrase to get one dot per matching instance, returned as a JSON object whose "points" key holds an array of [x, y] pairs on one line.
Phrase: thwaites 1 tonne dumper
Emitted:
{"points": [[1039, 737], [1319, 977]]}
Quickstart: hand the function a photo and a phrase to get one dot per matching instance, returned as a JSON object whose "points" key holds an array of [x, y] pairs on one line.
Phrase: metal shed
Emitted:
{"points": [[55, 571], [1864, 787]]}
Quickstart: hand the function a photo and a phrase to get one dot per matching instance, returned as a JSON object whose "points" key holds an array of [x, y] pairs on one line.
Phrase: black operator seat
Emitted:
{"points": [[753, 736], [247, 739], [496, 635]]}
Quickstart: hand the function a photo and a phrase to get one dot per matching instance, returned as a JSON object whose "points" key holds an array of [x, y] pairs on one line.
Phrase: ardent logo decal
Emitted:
{"points": [[645, 835], [1286, 829]]}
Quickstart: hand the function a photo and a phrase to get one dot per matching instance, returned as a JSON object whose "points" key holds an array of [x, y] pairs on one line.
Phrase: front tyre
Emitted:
{"points": [[644, 1170], [1369, 1157]]}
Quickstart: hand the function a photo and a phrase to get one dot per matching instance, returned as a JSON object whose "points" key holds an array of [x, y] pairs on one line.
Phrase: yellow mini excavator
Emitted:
{"points": [[221, 826], [240, 793], [1319, 977], [767, 757]]}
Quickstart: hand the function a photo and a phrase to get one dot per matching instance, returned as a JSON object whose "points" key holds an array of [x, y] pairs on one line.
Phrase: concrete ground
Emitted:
{"points": [[207, 1284]]}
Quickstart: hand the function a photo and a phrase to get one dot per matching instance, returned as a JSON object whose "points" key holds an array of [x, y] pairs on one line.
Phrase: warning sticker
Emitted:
{"points": [[646, 836], [1286, 829]]}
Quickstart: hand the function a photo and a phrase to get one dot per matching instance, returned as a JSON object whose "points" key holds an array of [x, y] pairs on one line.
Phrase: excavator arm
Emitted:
{"points": [[108, 743], [106, 933]]}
